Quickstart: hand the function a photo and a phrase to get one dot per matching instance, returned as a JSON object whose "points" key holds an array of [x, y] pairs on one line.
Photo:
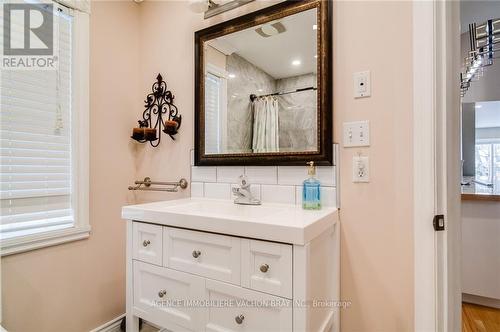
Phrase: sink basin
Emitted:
{"points": [[273, 222], [224, 209]]}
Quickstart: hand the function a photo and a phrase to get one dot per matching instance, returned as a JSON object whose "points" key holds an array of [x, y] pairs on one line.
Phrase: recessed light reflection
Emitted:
{"points": [[296, 62], [231, 75], [316, 56], [315, 27], [478, 106]]}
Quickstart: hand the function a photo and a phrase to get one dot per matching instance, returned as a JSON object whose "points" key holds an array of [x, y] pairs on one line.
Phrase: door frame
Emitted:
{"points": [[436, 165]]}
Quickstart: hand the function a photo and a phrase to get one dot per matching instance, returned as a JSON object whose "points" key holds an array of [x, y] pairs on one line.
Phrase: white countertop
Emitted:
{"points": [[272, 222]]}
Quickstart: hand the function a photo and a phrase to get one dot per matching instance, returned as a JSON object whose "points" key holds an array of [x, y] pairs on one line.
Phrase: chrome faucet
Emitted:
{"points": [[243, 194]]}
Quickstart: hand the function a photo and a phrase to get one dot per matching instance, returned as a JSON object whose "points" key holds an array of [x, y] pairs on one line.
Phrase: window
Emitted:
{"points": [[44, 144], [488, 161], [215, 110]]}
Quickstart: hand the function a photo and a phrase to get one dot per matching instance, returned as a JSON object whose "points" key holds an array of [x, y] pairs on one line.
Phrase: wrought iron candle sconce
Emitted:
{"points": [[160, 115]]}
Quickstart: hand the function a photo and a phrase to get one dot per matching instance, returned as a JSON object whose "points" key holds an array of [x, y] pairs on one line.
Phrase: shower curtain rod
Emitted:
{"points": [[253, 96]]}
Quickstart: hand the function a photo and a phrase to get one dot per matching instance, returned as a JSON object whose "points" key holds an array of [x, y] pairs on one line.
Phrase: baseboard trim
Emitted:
{"points": [[114, 325], [111, 326], [160, 329], [481, 300]]}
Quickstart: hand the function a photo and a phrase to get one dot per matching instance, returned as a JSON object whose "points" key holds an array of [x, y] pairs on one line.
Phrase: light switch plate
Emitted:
{"points": [[362, 84], [356, 134], [360, 169]]}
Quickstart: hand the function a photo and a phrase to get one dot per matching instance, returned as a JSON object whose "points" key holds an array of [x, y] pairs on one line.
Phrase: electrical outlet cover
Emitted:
{"points": [[360, 169]]}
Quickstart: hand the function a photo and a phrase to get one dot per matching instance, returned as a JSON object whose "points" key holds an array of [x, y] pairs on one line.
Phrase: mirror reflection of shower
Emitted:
{"points": [[261, 88]]}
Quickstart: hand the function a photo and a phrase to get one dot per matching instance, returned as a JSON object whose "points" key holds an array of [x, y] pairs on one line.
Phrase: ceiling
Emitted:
{"points": [[275, 54], [488, 114], [477, 11]]}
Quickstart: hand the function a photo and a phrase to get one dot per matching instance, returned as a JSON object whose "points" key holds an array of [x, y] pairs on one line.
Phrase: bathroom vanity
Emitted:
{"points": [[210, 265]]}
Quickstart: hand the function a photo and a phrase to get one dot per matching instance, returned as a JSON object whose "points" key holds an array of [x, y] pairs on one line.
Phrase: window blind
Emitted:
{"points": [[212, 105], [35, 142]]}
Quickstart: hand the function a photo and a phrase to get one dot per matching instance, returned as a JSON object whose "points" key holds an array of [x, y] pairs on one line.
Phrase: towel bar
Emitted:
{"points": [[147, 183]]}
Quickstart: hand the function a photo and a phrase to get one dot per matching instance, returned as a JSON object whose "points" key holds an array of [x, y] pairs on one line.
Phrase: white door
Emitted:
{"points": [[437, 164], [448, 170]]}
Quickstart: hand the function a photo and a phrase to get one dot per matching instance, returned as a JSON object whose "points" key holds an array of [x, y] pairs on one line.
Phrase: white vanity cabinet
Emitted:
{"points": [[217, 277]]}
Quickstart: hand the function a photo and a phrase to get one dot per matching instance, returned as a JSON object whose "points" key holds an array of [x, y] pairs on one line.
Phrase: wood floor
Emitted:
{"points": [[476, 318]]}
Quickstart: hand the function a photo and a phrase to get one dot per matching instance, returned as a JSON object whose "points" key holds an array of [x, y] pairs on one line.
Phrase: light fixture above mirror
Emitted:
{"points": [[215, 7]]}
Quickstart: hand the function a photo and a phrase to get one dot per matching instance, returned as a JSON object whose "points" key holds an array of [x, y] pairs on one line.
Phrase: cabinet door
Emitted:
{"points": [[267, 267], [167, 297], [205, 254], [234, 308], [147, 242]]}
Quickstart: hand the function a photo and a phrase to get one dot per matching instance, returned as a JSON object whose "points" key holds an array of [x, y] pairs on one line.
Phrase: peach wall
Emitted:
{"points": [[377, 225], [377, 256], [78, 286]]}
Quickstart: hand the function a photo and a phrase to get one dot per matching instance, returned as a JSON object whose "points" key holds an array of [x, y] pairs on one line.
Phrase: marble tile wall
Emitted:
{"points": [[247, 80], [297, 114], [297, 111]]}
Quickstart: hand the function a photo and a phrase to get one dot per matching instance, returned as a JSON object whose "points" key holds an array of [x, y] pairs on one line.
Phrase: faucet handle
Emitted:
{"points": [[244, 184]]}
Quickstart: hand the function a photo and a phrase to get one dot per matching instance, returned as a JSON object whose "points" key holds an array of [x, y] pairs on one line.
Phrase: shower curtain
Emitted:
{"points": [[265, 125]]}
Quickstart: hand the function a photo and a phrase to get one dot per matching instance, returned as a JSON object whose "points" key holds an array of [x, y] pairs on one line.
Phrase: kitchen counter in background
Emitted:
{"points": [[479, 192]]}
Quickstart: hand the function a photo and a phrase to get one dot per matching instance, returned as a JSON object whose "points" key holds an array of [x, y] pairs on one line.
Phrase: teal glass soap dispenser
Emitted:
{"points": [[311, 193]]}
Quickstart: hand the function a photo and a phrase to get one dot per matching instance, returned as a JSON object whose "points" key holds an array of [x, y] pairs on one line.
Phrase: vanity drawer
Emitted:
{"points": [[205, 254], [157, 288], [147, 243], [267, 267], [246, 310]]}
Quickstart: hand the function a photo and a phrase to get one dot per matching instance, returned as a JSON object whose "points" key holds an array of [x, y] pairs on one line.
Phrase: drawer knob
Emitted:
{"points": [[146, 243], [264, 268], [162, 293], [239, 319], [196, 253]]}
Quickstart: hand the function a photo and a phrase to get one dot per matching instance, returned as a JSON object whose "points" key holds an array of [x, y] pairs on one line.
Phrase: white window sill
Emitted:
{"points": [[41, 240]]}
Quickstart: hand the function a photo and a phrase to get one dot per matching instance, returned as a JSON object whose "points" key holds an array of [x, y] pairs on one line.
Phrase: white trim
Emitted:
{"points": [[424, 172], [41, 240], [111, 326], [114, 325], [215, 70], [81, 117]]}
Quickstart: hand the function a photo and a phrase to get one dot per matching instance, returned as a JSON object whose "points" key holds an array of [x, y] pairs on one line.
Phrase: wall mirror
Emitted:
{"points": [[263, 87]]}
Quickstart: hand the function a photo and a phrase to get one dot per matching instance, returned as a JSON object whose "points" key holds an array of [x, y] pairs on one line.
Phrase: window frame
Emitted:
{"points": [[79, 149], [223, 75], [492, 142]]}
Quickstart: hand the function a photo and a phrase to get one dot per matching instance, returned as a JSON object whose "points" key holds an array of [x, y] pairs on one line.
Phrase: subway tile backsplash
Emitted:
{"points": [[278, 194], [262, 174], [203, 174], [218, 190], [271, 184], [229, 174], [197, 189]]}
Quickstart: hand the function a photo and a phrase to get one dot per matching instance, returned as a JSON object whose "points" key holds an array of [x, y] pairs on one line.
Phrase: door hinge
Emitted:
{"points": [[438, 222]]}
